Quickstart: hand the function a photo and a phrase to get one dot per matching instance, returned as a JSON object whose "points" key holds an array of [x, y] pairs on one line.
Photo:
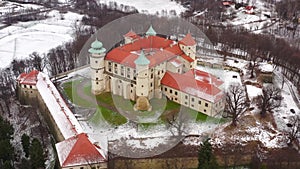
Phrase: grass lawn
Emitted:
{"points": [[112, 117], [73, 95]]}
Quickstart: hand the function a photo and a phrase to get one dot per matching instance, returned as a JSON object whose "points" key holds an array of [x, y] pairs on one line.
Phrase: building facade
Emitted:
{"points": [[137, 68]]}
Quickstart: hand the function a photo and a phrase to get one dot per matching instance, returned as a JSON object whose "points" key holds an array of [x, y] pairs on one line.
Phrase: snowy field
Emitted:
{"points": [[150, 6], [21, 39], [11, 7]]}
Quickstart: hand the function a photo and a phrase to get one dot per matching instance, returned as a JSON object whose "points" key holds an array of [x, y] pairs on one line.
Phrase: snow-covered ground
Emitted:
{"points": [[150, 6], [229, 77], [21, 39], [253, 91], [283, 115], [259, 19]]}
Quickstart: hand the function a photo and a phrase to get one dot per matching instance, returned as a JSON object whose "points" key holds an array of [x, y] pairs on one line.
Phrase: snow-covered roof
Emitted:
{"points": [[176, 62], [78, 150], [60, 112], [266, 67]]}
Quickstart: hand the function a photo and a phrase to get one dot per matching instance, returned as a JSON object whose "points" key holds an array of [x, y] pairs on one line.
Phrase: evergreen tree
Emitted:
{"points": [[25, 144], [7, 165], [6, 148], [36, 154], [206, 159], [6, 130], [25, 164]]}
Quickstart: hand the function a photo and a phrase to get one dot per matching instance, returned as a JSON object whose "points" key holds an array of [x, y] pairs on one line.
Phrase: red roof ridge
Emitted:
{"points": [[82, 151], [188, 84], [188, 40], [28, 78], [187, 58]]}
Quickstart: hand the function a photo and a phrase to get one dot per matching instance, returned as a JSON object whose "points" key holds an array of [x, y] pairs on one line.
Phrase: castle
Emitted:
{"points": [[141, 68], [150, 66]]}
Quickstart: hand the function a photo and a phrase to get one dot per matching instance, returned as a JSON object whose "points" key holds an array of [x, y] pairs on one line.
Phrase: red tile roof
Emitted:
{"points": [[157, 50], [28, 78], [188, 84], [132, 35], [187, 58], [188, 40], [78, 150]]}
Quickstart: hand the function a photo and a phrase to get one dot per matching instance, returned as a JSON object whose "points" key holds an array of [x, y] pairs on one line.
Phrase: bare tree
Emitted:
{"points": [[269, 100], [294, 132], [236, 102], [177, 122], [37, 61]]}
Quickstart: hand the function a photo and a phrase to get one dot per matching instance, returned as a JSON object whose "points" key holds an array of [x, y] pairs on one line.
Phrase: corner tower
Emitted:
{"points": [[96, 55], [142, 82]]}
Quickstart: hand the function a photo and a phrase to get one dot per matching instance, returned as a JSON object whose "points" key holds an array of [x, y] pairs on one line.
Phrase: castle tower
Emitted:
{"points": [[142, 82], [96, 55], [188, 46]]}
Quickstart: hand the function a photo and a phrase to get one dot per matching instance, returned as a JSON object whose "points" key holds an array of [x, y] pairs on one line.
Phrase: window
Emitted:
{"points": [[192, 105], [96, 71], [193, 99], [206, 104], [166, 89], [97, 78], [81, 168], [97, 82], [30, 87], [151, 84], [176, 93], [130, 91], [185, 102], [96, 61], [151, 75], [186, 97], [171, 91], [199, 101], [142, 86], [204, 110], [122, 70], [131, 85]]}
